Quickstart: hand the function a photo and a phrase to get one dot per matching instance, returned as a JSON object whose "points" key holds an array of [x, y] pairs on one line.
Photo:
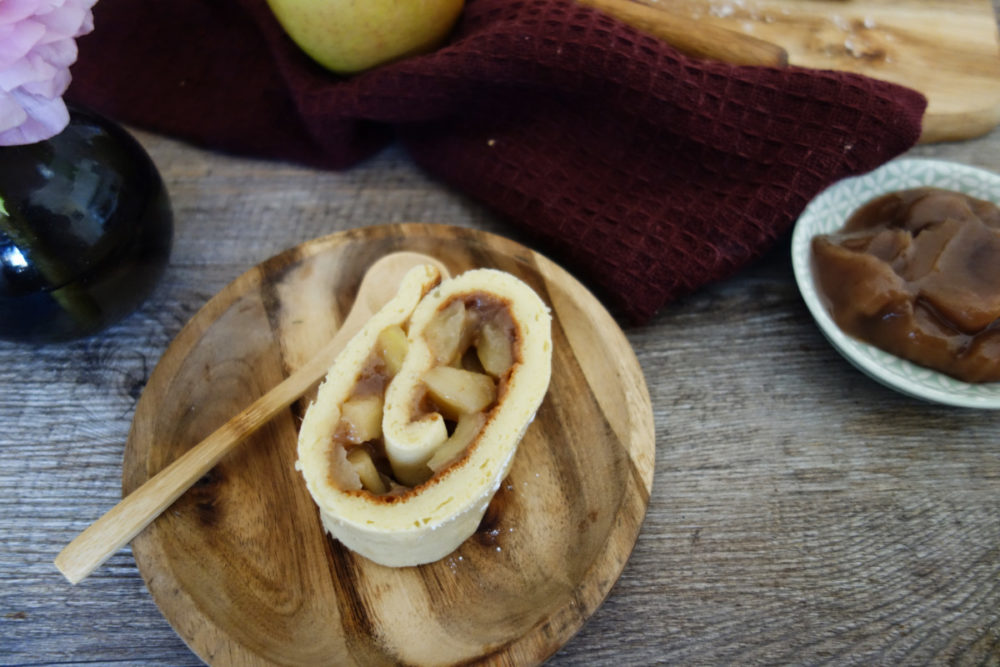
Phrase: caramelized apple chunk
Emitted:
{"points": [[361, 460], [361, 419], [459, 392], [466, 430], [493, 347], [445, 332], [392, 347]]}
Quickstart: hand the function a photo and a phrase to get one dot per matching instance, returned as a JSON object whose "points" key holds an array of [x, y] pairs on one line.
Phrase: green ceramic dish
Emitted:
{"points": [[828, 212]]}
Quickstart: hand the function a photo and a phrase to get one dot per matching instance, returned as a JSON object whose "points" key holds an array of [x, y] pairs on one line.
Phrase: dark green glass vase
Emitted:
{"points": [[85, 231]]}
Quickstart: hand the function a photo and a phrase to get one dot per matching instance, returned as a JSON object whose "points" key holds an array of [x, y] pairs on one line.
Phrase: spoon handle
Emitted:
{"points": [[136, 511]]}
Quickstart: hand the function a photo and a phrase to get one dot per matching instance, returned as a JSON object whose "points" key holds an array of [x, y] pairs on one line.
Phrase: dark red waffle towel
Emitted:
{"points": [[646, 172]]}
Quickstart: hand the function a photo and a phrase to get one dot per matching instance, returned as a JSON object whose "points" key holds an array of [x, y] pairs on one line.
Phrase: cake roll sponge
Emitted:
{"points": [[438, 464]]}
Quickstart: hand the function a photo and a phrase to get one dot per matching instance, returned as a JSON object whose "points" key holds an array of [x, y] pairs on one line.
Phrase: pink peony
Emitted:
{"points": [[37, 46]]}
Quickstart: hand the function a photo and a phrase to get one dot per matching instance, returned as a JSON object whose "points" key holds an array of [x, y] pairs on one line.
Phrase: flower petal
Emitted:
{"points": [[17, 41], [45, 118], [30, 69], [37, 47], [12, 11], [12, 113]]}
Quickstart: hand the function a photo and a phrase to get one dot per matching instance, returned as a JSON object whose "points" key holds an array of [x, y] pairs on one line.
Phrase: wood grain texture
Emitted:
{"points": [[947, 50], [694, 37], [240, 564], [800, 513]]}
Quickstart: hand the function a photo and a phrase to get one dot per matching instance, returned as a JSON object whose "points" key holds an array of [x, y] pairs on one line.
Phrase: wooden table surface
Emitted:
{"points": [[801, 513]]}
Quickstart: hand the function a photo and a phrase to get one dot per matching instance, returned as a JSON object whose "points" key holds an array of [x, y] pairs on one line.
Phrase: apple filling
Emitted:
{"points": [[473, 341]]}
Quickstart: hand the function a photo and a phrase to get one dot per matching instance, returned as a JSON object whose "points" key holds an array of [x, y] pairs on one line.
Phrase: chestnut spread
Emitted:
{"points": [[917, 274]]}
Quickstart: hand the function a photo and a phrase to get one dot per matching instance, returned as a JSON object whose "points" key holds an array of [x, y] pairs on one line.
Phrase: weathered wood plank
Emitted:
{"points": [[800, 512]]}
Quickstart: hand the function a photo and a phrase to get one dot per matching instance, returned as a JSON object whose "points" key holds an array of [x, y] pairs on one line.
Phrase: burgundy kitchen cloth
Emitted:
{"points": [[646, 172]]}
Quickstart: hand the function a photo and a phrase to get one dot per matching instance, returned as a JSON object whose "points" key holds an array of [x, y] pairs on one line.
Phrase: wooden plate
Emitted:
{"points": [[240, 565]]}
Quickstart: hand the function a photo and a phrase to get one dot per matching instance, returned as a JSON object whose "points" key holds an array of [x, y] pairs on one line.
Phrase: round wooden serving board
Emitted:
{"points": [[240, 565]]}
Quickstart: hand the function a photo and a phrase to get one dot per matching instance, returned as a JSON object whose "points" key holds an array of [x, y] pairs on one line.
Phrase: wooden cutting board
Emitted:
{"points": [[946, 49], [240, 565]]}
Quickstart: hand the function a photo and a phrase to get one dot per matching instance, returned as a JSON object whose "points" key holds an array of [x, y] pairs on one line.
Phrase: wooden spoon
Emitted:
{"points": [[127, 519]]}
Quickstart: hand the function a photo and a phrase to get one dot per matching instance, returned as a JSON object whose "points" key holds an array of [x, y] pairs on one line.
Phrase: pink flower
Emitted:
{"points": [[37, 46]]}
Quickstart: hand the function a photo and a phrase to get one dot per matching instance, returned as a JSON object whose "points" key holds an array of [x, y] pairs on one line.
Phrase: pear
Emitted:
{"points": [[350, 36]]}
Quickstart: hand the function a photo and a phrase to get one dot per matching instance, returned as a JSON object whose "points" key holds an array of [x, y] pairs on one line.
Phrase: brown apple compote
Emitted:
{"points": [[917, 274]]}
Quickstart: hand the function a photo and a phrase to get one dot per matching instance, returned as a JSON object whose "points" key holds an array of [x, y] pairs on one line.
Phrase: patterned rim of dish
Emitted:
{"points": [[827, 213]]}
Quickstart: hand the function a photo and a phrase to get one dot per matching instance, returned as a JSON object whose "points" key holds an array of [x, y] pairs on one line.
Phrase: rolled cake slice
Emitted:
{"points": [[411, 435]]}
